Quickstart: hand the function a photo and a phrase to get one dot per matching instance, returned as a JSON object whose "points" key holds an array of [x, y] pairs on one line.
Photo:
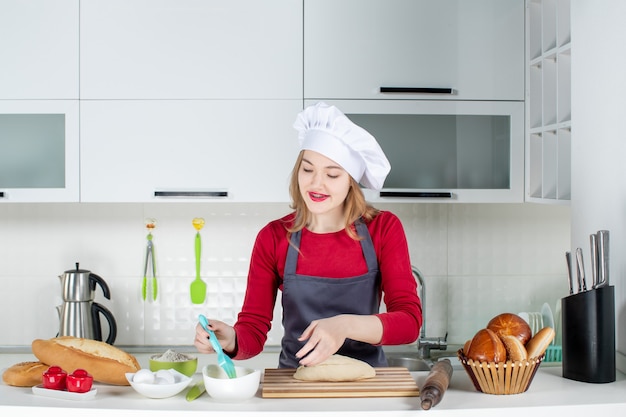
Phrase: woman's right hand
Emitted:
{"points": [[225, 335]]}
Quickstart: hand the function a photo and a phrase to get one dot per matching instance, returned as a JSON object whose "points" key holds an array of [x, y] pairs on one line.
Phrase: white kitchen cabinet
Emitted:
{"points": [[445, 151], [548, 102], [191, 49], [187, 150], [353, 48], [39, 49], [39, 151]]}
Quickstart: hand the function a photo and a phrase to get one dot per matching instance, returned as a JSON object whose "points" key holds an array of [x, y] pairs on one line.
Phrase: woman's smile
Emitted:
{"points": [[317, 197]]}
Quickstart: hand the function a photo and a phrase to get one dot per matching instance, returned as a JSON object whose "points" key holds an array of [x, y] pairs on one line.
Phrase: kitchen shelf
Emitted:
{"points": [[548, 102]]}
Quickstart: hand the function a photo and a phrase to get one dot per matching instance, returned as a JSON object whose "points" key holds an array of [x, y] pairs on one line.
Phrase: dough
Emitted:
{"points": [[335, 369]]}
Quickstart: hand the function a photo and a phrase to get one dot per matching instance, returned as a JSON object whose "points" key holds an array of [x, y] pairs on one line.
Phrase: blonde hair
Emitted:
{"points": [[354, 207]]}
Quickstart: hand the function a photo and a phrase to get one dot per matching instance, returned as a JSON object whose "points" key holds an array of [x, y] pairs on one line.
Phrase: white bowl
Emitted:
{"points": [[220, 387], [160, 390]]}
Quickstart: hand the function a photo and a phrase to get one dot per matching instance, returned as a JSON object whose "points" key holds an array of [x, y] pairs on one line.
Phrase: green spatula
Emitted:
{"points": [[198, 287]]}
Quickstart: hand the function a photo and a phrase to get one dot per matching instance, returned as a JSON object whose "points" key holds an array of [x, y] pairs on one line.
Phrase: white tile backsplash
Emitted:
{"points": [[478, 260]]}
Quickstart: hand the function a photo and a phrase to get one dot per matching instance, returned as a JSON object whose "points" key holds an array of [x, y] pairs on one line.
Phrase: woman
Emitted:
{"points": [[332, 258]]}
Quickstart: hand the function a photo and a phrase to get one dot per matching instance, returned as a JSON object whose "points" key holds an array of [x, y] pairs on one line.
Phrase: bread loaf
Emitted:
{"points": [[510, 324], [486, 346], [515, 350], [466, 346], [104, 362], [24, 374], [540, 342], [336, 368]]}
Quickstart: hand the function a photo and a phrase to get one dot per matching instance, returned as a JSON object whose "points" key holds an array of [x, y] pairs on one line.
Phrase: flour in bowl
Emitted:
{"points": [[172, 356]]}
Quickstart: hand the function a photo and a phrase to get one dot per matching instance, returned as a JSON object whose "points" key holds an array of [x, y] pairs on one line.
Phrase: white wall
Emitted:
{"points": [[599, 138], [478, 259]]}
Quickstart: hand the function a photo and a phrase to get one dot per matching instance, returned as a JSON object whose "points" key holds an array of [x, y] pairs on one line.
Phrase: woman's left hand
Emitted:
{"points": [[325, 336]]}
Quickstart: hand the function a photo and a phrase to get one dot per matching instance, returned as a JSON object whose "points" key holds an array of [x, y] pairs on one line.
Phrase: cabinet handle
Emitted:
{"points": [[1, 194], [416, 194], [417, 90], [192, 194]]}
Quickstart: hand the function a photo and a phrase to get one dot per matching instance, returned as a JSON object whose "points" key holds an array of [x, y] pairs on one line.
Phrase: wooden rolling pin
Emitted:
{"points": [[436, 384]]}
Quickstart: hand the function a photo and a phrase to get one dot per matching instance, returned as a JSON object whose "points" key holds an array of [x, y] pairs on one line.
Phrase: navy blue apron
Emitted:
{"points": [[306, 298]]}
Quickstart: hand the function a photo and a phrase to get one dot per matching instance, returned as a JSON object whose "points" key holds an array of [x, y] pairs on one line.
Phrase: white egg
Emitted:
{"points": [[144, 376], [164, 377]]}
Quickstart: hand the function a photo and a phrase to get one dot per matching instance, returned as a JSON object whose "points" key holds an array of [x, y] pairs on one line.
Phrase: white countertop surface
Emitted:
{"points": [[549, 393]]}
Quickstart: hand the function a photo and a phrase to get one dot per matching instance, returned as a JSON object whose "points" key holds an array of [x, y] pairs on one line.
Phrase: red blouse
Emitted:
{"points": [[331, 255]]}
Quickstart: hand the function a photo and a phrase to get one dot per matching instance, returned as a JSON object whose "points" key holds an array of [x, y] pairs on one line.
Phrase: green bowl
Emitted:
{"points": [[184, 367]]}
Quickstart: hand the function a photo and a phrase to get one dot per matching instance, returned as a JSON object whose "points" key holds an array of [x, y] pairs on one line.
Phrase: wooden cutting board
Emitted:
{"points": [[388, 382]]}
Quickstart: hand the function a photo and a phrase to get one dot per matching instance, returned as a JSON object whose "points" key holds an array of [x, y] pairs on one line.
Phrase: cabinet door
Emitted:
{"points": [[191, 49], [352, 48], [39, 49], [39, 151], [149, 150], [445, 151]]}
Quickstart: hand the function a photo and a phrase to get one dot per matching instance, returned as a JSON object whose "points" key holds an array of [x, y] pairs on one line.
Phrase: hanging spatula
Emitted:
{"points": [[198, 287]]}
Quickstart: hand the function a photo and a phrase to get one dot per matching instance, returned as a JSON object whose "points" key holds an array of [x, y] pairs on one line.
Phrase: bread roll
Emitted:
{"points": [[510, 324], [466, 346], [336, 368], [24, 374], [486, 346], [104, 362], [515, 351], [540, 342]]}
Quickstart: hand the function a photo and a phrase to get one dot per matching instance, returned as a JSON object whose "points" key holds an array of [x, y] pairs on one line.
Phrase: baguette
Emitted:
{"points": [[24, 374], [106, 363], [540, 342], [515, 350]]}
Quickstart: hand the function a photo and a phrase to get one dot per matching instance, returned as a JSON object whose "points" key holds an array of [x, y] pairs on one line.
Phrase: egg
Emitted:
{"points": [[164, 377], [144, 376]]}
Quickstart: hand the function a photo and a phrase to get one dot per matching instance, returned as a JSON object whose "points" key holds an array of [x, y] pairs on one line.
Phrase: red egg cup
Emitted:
{"points": [[54, 378], [79, 381]]}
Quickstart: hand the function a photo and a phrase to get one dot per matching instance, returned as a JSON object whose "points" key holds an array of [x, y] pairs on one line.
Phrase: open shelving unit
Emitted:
{"points": [[548, 102]]}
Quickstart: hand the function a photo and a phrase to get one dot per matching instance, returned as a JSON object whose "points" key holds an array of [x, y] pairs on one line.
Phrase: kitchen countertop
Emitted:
{"points": [[549, 393]]}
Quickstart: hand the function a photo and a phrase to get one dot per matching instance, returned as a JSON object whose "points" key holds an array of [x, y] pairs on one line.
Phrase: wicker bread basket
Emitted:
{"points": [[501, 378]]}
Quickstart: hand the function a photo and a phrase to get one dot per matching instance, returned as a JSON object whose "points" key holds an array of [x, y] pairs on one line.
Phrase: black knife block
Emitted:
{"points": [[588, 339]]}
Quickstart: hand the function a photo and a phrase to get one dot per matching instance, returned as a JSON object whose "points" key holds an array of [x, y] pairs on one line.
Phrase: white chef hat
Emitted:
{"points": [[326, 130]]}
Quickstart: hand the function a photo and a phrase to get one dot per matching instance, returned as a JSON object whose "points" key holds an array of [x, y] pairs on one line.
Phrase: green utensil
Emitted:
{"points": [[198, 287], [195, 391], [222, 359], [150, 225], [144, 286]]}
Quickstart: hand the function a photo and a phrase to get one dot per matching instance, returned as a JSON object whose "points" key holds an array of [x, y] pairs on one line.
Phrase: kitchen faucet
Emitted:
{"points": [[426, 344]]}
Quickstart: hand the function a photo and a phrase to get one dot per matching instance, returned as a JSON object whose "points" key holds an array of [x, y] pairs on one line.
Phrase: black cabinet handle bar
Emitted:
{"points": [[416, 194], [191, 194], [417, 90], [1, 194]]}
